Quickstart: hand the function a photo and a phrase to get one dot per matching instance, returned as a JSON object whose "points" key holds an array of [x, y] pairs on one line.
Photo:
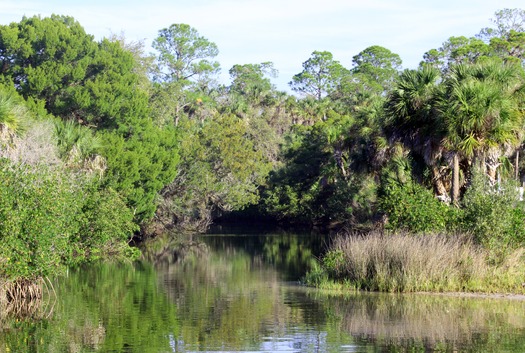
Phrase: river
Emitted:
{"points": [[240, 293]]}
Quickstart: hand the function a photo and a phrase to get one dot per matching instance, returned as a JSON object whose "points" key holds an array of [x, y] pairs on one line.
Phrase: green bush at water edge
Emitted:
{"points": [[50, 219]]}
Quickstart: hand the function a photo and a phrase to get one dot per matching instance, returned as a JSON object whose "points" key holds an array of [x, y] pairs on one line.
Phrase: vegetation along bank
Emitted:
{"points": [[102, 144]]}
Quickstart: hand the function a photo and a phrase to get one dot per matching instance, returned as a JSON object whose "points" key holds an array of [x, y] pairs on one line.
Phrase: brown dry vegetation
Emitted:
{"points": [[432, 262]]}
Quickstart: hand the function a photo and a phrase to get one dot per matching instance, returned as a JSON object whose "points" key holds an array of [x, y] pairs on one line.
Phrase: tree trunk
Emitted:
{"points": [[338, 156], [491, 161], [516, 165], [455, 180], [177, 115], [439, 186]]}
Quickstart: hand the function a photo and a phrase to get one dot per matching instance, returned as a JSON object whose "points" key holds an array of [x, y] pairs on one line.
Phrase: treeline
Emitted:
{"points": [[101, 141]]}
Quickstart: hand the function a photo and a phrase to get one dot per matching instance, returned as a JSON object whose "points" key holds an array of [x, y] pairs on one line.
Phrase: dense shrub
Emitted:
{"points": [[39, 212], [105, 228], [493, 214], [49, 219], [139, 167], [411, 207]]}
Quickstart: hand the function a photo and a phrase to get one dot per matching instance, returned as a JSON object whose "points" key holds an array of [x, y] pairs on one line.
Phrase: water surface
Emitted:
{"points": [[239, 293]]}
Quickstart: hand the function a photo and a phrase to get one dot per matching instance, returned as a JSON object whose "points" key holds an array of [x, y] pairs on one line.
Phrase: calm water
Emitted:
{"points": [[223, 293]]}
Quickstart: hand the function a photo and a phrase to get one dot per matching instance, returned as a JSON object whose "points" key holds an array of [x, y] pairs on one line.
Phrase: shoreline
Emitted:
{"points": [[509, 296]]}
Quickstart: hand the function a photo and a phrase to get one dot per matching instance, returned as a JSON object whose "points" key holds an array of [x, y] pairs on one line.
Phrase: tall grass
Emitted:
{"points": [[409, 263]]}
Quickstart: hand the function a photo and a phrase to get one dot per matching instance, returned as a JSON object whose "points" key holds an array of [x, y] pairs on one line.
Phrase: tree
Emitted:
{"points": [[252, 81], [53, 62], [220, 171], [472, 113], [185, 71], [184, 54], [42, 57], [140, 166], [412, 118], [320, 76], [253, 98], [456, 50], [481, 110], [505, 21], [368, 82], [377, 64]]}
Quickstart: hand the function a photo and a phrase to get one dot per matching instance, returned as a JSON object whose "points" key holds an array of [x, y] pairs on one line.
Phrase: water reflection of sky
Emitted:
{"points": [[300, 342]]}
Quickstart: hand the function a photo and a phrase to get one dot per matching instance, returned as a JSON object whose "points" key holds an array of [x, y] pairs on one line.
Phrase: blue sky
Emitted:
{"points": [[284, 32]]}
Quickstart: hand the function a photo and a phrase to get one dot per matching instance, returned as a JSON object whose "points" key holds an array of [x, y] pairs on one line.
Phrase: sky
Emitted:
{"points": [[284, 32]]}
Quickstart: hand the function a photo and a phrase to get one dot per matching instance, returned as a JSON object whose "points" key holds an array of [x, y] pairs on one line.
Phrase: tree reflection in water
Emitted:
{"points": [[226, 293]]}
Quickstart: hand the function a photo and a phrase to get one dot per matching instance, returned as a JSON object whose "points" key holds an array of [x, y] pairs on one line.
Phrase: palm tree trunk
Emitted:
{"points": [[439, 186], [338, 156], [455, 180], [516, 165]]}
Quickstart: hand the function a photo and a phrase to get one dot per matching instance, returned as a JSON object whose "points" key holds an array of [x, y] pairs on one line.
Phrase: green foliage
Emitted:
{"points": [[56, 217], [106, 226], [49, 219], [409, 205], [43, 55], [140, 166], [493, 214], [113, 97], [76, 143], [13, 116], [249, 81], [320, 76], [481, 106], [220, 171], [39, 212], [314, 184], [507, 22], [456, 50], [376, 66], [293, 189], [184, 54], [55, 65]]}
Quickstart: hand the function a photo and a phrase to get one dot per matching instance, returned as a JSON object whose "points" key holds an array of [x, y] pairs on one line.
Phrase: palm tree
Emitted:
{"points": [[480, 107], [78, 146], [13, 117], [413, 120]]}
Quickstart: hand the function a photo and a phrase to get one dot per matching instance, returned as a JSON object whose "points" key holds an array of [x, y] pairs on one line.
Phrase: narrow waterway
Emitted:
{"points": [[240, 293]]}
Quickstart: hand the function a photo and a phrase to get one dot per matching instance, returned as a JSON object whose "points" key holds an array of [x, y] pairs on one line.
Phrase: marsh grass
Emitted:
{"points": [[409, 263]]}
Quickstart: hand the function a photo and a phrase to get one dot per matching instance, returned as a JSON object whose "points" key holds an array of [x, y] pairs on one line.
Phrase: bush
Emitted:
{"points": [[50, 219], [407, 204], [106, 227], [411, 207], [493, 214], [140, 166], [39, 212]]}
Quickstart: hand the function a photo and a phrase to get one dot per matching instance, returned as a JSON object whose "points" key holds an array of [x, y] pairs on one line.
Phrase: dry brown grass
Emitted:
{"points": [[432, 262], [34, 147]]}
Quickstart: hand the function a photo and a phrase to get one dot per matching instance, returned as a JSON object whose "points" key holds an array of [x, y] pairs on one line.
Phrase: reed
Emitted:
{"points": [[409, 263]]}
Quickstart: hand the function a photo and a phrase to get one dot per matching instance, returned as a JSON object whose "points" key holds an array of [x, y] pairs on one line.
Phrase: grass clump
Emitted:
{"points": [[413, 263]]}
